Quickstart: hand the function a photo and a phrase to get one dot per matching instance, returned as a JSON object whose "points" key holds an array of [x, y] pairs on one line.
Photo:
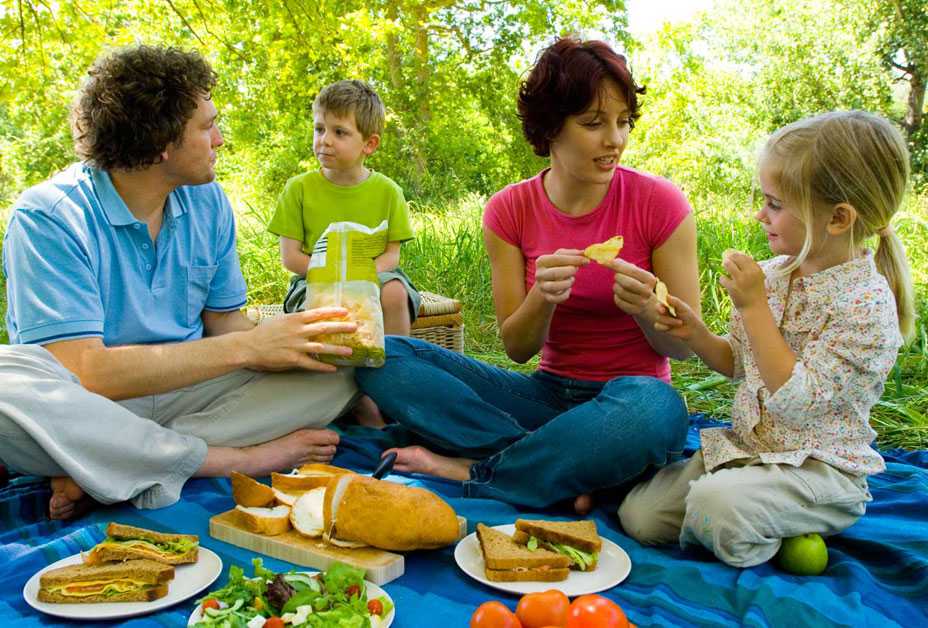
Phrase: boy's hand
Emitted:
{"points": [[288, 342], [745, 281], [686, 326], [633, 289], [555, 273]]}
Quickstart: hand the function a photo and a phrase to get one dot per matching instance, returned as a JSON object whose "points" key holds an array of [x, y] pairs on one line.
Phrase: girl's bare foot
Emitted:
{"points": [[417, 459], [68, 500], [368, 414], [583, 504]]}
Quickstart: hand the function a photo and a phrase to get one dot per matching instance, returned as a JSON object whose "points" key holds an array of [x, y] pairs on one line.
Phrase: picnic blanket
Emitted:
{"points": [[877, 573]]}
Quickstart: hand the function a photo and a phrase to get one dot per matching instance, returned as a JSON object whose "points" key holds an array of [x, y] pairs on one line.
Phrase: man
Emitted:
{"points": [[132, 367]]}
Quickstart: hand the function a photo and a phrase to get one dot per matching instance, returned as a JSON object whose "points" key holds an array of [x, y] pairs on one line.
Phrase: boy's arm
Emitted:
{"points": [[292, 256], [389, 259]]}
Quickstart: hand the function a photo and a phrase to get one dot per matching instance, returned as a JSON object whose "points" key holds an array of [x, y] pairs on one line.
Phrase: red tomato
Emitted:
{"points": [[494, 615], [353, 591], [375, 607], [274, 622], [538, 610], [595, 611], [210, 603]]}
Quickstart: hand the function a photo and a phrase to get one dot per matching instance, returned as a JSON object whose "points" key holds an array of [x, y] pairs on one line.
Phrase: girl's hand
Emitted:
{"points": [[685, 326], [745, 281], [555, 273], [633, 289]]}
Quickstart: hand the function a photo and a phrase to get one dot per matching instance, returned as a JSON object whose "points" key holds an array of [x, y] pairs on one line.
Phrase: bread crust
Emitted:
{"points": [[528, 575], [144, 595], [105, 553], [580, 534], [388, 515], [248, 492], [500, 552]]}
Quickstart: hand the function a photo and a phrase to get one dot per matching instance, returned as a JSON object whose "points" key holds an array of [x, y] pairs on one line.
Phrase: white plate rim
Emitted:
{"points": [[470, 561], [373, 591], [195, 577]]}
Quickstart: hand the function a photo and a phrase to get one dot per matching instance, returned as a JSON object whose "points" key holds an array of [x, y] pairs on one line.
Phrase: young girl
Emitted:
{"points": [[813, 335]]}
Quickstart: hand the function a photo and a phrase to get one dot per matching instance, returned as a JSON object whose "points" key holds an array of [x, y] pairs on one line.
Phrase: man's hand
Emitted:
{"points": [[288, 342], [633, 290], [745, 281], [555, 273]]}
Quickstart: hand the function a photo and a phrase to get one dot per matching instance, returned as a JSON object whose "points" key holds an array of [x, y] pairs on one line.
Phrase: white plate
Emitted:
{"points": [[614, 566], [373, 591], [188, 580]]}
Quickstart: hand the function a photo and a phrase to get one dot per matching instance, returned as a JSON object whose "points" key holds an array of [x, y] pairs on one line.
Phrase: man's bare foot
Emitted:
{"points": [[68, 500], [286, 452], [417, 459], [583, 504], [368, 414]]}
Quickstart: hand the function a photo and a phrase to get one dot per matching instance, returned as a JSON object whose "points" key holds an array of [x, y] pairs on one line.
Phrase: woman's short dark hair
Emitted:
{"points": [[565, 79], [135, 102]]}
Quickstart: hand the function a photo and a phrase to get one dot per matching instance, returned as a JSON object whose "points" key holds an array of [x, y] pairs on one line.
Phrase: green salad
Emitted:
{"points": [[335, 598]]}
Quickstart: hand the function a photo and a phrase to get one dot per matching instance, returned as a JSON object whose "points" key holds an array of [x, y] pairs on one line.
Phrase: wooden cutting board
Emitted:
{"points": [[381, 566]]}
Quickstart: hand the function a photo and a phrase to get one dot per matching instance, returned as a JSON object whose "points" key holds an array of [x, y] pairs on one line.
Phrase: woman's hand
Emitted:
{"points": [[633, 289], [745, 281], [555, 273]]}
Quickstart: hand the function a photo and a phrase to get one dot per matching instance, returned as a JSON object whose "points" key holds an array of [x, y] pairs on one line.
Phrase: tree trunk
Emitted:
{"points": [[914, 114]]}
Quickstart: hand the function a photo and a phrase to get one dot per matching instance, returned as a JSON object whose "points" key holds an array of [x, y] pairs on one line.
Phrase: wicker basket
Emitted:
{"points": [[440, 320]]}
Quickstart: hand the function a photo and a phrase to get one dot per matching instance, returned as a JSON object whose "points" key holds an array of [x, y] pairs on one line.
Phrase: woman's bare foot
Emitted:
{"points": [[368, 414], [417, 459], [583, 504], [68, 500]]}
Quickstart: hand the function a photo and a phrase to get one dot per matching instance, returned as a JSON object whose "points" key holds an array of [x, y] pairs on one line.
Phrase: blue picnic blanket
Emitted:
{"points": [[877, 573]]}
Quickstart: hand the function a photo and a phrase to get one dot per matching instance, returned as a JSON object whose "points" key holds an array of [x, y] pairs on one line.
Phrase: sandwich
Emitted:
{"points": [[577, 540], [507, 561], [359, 510], [129, 581], [124, 542]]}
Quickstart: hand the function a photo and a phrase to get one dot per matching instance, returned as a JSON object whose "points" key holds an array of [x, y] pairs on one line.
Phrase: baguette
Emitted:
{"points": [[267, 521], [248, 492]]}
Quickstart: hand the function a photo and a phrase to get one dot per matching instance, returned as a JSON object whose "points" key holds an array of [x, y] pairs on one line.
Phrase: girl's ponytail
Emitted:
{"points": [[891, 261]]}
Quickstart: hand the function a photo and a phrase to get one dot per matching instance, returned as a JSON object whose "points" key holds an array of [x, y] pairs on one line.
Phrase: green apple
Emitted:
{"points": [[804, 555]]}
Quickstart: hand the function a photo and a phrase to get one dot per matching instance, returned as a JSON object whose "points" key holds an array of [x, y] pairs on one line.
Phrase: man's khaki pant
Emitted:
{"points": [[742, 511], [144, 449]]}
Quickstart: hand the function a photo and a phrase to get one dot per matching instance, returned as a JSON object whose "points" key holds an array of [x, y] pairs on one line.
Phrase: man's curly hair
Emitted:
{"points": [[135, 102]]}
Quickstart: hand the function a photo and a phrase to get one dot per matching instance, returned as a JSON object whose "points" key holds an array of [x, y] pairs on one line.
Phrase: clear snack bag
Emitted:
{"points": [[342, 273]]}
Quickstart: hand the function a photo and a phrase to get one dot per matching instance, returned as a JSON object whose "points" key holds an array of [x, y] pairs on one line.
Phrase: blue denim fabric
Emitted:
{"points": [[538, 438]]}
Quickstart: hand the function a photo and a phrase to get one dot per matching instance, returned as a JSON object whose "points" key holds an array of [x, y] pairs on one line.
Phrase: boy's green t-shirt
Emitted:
{"points": [[309, 203]]}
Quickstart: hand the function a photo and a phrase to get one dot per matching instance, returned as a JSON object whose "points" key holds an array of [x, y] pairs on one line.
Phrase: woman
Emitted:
{"points": [[600, 409]]}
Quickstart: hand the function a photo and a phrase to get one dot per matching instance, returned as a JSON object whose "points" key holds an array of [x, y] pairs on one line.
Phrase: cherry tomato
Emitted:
{"points": [[375, 607], [274, 622], [595, 611], [538, 610], [353, 591], [210, 603], [494, 615]]}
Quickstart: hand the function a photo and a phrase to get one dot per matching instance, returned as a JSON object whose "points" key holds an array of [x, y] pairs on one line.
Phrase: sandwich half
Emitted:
{"points": [[125, 542], [507, 561], [128, 581], [577, 540]]}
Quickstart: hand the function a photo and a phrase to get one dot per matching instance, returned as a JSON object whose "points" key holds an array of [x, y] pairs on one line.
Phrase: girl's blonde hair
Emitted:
{"points": [[851, 157]]}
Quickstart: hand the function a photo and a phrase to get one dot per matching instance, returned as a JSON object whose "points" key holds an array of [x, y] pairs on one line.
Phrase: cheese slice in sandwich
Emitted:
{"points": [[125, 542], [507, 561], [128, 581], [577, 540]]}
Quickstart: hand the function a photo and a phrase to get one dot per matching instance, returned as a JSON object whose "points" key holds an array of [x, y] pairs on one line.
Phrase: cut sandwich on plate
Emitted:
{"points": [[507, 561], [124, 542], [577, 540], [128, 581]]}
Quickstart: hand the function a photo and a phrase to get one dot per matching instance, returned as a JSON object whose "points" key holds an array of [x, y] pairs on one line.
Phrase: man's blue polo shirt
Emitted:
{"points": [[78, 264]]}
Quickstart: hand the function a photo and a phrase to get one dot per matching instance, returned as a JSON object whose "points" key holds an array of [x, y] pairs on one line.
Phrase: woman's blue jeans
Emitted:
{"points": [[538, 438]]}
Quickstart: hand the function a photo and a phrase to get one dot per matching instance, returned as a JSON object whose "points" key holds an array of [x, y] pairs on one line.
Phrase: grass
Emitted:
{"points": [[448, 257]]}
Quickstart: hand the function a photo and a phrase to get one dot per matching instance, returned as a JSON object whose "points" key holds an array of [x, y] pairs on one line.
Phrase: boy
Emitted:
{"points": [[348, 119]]}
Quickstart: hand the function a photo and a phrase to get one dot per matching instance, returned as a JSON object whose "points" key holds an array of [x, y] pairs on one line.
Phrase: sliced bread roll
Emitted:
{"points": [[249, 492], [267, 521], [386, 515], [307, 513], [307, 477]]}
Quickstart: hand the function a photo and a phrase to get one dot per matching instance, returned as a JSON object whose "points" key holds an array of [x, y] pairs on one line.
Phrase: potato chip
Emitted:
{"points": [[660, 289], [727, 253], [604, 252]]}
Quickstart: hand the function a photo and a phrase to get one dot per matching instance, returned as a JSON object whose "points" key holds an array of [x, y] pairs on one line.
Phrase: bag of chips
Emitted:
{"points": [[342, 273]]}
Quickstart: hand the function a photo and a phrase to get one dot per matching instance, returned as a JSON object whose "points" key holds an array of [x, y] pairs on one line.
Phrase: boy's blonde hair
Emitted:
{"points": [[851, 157], [353, 97]]}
